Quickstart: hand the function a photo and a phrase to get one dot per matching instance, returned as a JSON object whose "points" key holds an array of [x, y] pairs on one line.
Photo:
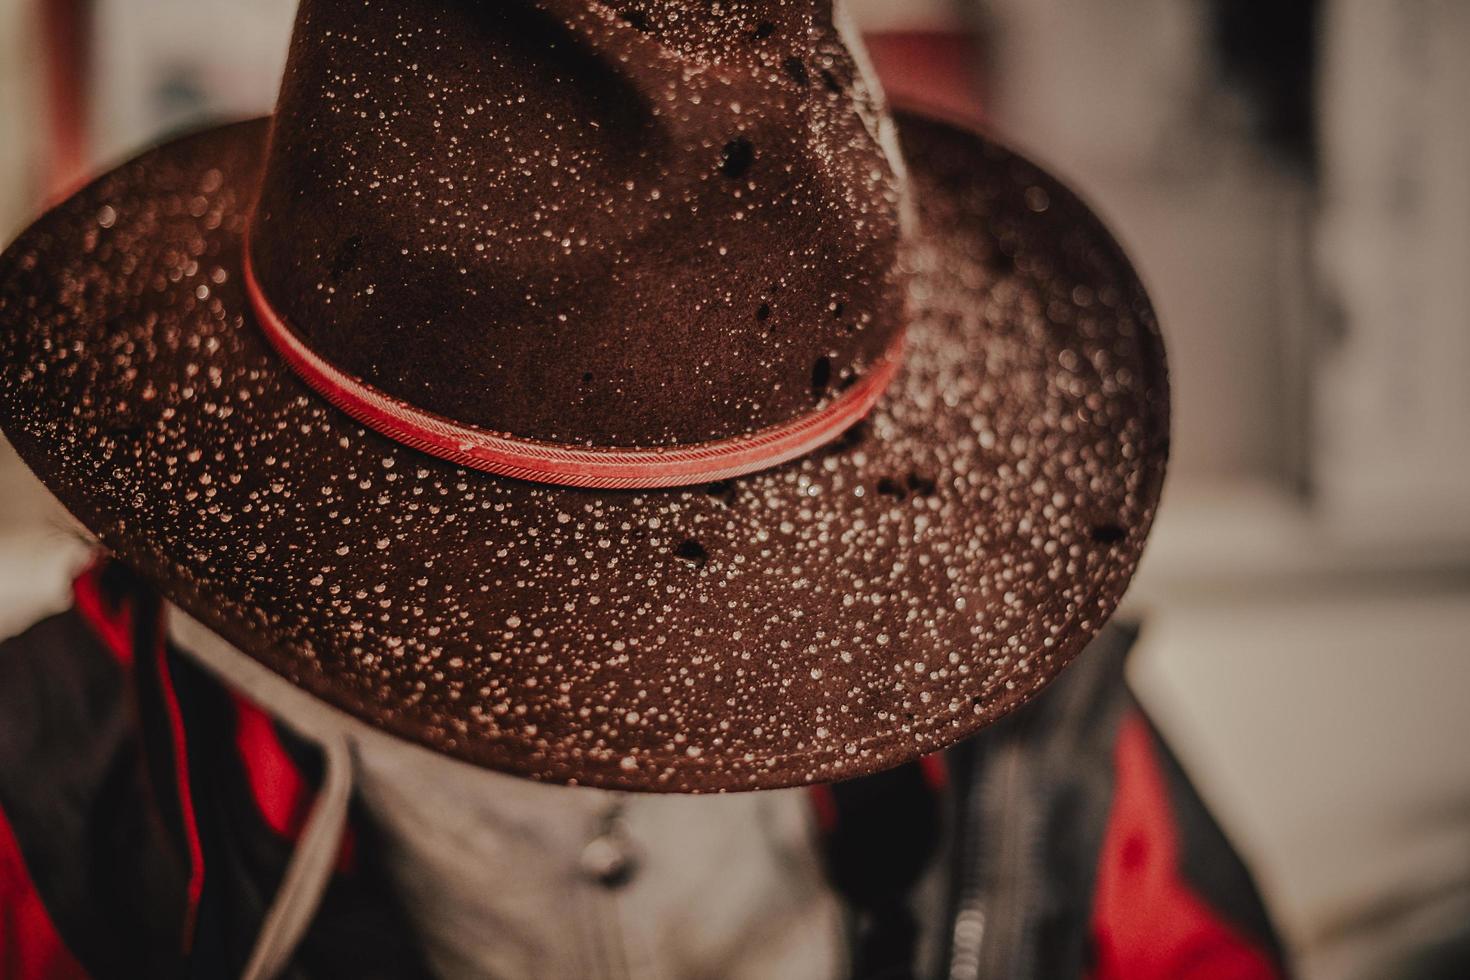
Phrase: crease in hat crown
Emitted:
{"points": [[642, 244]]}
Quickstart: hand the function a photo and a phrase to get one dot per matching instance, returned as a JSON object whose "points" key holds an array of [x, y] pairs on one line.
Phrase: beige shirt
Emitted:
{"points": [[503, 877]]}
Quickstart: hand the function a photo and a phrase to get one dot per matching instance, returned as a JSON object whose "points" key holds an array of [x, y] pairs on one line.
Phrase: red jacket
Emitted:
{"points": [[147, 815]]}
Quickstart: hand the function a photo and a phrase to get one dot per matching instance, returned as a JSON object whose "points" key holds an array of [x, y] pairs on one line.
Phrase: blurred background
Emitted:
{"points": [[1293, 179]]}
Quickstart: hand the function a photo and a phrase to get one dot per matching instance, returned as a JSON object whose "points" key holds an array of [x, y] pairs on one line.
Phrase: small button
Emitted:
{"points": [[609, 860]]}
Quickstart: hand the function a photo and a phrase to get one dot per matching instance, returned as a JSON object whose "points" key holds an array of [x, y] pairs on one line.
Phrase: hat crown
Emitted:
{"points": [[650, 225]]}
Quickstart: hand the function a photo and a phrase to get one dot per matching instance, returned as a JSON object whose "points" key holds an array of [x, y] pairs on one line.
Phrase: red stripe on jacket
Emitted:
{"points": [[116, 626], [30, 946], [281, 792], [185, 788], [1147, 924], [113, 626]]}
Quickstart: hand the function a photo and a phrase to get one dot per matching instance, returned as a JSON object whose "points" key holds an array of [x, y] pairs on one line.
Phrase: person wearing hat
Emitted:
{"points": [[617, 397]]}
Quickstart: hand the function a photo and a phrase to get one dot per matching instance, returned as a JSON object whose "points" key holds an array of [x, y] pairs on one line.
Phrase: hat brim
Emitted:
{"points": [[878, 600]]}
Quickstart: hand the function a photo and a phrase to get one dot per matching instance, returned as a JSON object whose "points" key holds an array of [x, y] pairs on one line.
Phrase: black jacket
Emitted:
{"points": [[147, 815]]}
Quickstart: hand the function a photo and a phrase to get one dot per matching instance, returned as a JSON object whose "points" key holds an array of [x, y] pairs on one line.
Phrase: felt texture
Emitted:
{"points": [[846, 612], [626, 227]]}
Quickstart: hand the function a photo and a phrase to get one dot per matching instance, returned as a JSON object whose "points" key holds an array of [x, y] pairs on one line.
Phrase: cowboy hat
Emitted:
{"points": [[610, 396]]}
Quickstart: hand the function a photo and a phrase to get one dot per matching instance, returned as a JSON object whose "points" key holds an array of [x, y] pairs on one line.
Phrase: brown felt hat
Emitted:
{"points": [[611, 394]]}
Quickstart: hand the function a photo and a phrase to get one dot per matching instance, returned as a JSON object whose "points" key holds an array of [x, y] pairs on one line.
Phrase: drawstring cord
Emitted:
{"points": [[310, 868]]}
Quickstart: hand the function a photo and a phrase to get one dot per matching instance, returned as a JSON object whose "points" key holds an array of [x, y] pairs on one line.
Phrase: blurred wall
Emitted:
{"points": [[20, 71]]}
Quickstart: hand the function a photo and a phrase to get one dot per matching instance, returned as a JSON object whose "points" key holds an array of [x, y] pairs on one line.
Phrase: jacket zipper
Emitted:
{"points": [[990, 910]]}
